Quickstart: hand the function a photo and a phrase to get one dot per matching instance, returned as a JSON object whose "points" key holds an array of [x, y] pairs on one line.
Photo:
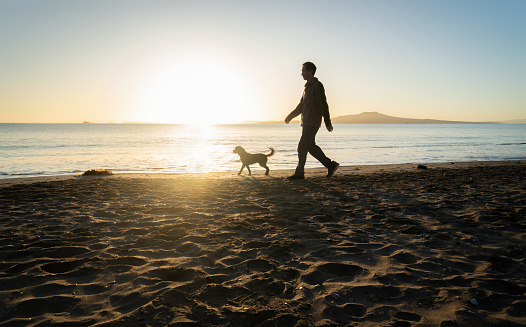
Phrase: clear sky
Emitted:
{"points": [[222, 61]]}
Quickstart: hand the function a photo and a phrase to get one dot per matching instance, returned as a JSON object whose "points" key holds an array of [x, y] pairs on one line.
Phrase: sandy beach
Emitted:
{"points": [[441, 245]]}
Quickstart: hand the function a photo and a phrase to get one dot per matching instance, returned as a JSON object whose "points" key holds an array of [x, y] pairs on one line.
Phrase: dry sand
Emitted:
{"points": [[372, 246]]}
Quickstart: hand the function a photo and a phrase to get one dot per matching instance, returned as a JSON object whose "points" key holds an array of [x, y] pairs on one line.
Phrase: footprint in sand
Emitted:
{"points": [[327, 271]]}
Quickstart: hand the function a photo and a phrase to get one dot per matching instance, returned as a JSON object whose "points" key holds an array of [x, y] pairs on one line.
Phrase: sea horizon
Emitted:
{"points": [[367, 117]]}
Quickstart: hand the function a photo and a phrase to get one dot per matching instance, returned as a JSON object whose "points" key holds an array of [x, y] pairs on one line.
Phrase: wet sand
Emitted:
{"points": [[373, 246]]}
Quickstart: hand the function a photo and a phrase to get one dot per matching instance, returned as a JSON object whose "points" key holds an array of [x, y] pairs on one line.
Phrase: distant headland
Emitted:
{"points": [[378, 118]]}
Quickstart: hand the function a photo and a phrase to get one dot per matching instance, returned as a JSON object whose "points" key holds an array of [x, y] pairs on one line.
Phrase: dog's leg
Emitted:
{"points": [[249, 172], [242, 166], [264, 165]]}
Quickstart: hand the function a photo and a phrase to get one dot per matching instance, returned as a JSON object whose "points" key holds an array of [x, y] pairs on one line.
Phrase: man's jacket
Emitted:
{"points": [[313, 105]]}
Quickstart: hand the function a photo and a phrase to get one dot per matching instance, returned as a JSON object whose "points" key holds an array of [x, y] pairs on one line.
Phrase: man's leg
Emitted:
{"points": [[308, 137], [317, 153]]}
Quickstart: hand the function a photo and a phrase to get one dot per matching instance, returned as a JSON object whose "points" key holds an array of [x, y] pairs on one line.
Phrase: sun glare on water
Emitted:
{"points": [[198, 92]]}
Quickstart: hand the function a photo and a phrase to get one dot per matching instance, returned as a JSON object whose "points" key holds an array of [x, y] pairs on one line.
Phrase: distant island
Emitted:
{"points": [[378, 118]]}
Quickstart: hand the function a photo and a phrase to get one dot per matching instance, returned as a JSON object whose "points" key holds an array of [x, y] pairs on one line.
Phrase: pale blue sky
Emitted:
{"points": [[180, 61]]}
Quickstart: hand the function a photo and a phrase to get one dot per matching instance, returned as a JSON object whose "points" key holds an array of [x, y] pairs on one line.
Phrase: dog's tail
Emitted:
{"points": [[271, 152]]}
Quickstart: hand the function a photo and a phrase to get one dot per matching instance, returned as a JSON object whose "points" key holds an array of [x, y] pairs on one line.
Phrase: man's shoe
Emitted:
{"points": [[297, 176], [332, 169]]}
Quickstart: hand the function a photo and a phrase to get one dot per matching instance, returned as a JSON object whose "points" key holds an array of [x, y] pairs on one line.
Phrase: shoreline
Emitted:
{"points": [[257, 172]]}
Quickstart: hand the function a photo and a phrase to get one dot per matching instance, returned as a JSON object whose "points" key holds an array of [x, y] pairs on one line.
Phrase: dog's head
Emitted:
{"points": [[239, 150]]}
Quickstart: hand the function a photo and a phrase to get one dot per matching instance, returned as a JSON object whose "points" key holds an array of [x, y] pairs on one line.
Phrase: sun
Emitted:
{"points": [[197, 91]]}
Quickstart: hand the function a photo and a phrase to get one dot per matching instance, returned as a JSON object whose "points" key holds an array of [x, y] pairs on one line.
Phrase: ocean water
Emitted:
{"points": [[57, 149]]}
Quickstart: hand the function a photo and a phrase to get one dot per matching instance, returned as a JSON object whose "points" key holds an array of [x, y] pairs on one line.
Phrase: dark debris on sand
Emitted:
{"points": [[97, 172]]}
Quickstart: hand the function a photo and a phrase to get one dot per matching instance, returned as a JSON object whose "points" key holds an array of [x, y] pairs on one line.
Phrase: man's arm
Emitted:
{"points": [[294, 112], [320, 95]]}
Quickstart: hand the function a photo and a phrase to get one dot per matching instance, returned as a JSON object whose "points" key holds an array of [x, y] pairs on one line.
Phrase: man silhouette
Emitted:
{"points": [[312, 107]]}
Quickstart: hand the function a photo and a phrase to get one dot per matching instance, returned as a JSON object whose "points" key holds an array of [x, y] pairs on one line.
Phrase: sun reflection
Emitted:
{"points": [[197, 148]]}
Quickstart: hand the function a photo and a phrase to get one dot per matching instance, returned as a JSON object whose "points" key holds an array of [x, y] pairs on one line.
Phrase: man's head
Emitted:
{"points": [[308, 70]]}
